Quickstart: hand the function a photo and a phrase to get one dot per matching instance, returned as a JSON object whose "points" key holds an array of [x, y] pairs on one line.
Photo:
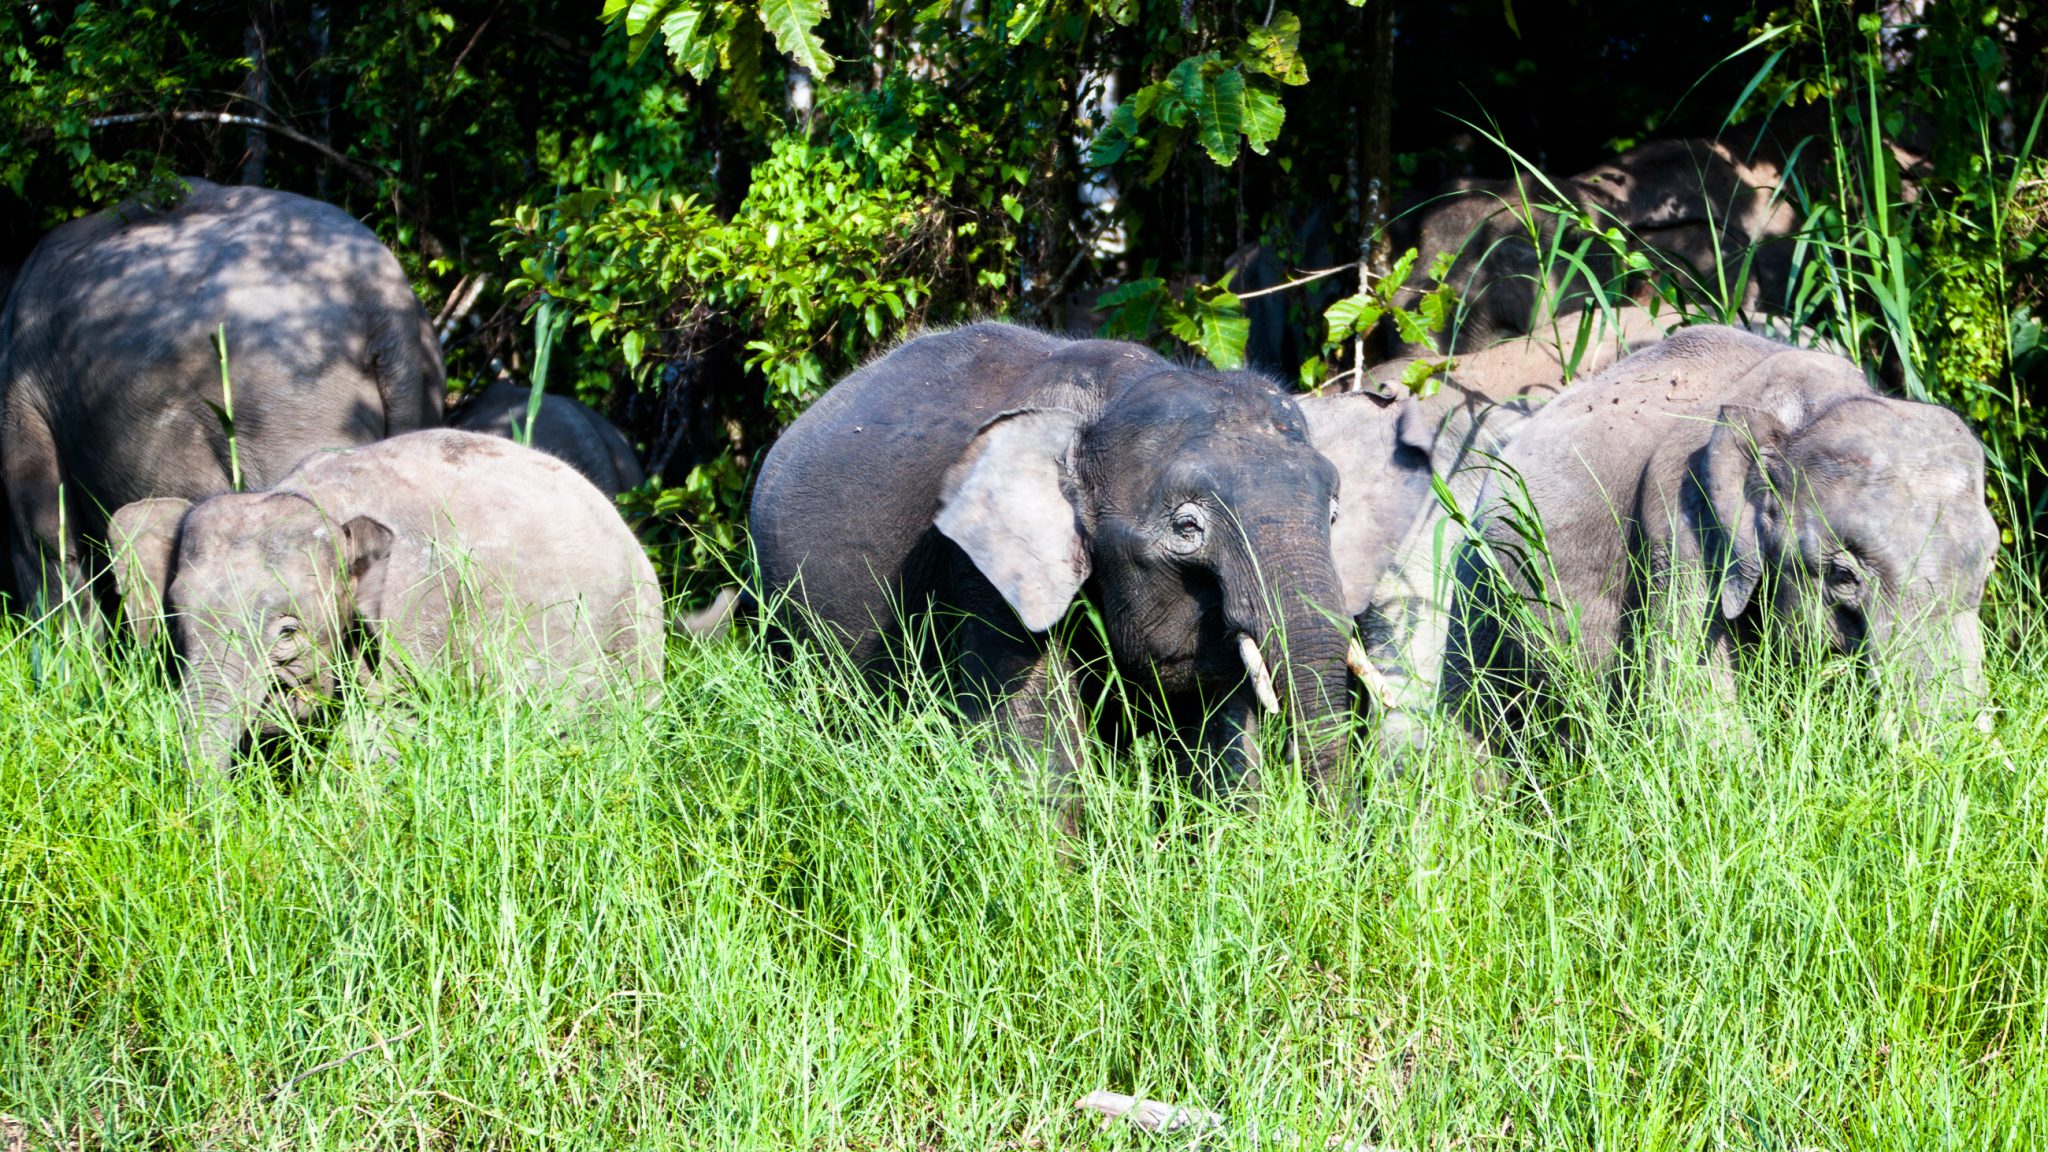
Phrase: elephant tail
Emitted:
{"points": [[715, 619]]}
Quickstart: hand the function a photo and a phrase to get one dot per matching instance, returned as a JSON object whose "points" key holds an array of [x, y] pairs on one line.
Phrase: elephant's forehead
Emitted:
{"points": [[1198, 402]]}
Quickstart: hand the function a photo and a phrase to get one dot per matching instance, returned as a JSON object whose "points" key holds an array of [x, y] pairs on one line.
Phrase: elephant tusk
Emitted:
{"points": [[1255, 664], [1376, 685]]}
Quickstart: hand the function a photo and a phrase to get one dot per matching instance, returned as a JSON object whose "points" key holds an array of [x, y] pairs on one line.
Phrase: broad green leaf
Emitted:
{"points": [[1413, 328], [1121, 11], [689, 51], [1351, 316], [1263, 117], [1181, 93], [794, 24], [633, 344], [1025, 18], [1221, 111], [1275, 49], [640, 14], [1131, 308], [1116, 137], [1224, 337], [1424, 377]]}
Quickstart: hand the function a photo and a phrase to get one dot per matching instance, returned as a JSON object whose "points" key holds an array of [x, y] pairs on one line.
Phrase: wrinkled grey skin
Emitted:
{"points": [[563, 429], [1710, 217], [1389, 447], [439, 548], [109, 371], [990, 472], [1725, 485]]}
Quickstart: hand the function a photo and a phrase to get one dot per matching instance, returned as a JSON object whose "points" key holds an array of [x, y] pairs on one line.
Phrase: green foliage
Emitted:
{"points": [[118, 57], [1222, 97]]}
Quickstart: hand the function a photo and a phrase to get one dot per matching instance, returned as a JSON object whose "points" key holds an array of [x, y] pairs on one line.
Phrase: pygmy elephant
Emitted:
{"points": [[1707, 215], [115, 391], [438, 548], [992, 472], [562, 428], [1720, 487], [1392, 449]]}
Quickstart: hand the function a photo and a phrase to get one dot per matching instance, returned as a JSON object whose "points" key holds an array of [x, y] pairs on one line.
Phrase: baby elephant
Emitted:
{"points": [[562, 428], [438, 548]]}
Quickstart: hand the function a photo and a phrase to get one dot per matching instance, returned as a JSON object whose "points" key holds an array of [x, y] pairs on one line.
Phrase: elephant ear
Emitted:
{"points": [[1744, 458], [142, 538], [1004, 502], [365, 551]]}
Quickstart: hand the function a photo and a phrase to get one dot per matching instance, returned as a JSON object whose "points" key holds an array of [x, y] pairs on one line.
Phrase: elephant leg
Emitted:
{"points": [[50, 571], [1020, 681]]}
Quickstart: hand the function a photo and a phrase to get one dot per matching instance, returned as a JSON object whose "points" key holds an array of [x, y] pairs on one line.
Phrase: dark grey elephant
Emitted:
{"points": [[439, 549], [562, 428], [992, 472], [1717, 487], [111, 383], [1710, 217]]}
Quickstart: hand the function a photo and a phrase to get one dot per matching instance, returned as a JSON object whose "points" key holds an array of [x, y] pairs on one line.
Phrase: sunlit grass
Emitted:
{"points": [[778, 912]]}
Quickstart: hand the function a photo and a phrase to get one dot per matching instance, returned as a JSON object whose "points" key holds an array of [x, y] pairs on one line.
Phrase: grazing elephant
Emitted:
{"points": [[1705, 215], [437, 548], [563, 429], [991, 472], [110, 381], [1725, 485], [1391, 449]]}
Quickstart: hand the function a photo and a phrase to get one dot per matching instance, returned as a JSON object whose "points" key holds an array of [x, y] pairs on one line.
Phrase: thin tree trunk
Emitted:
{"points": [[256, 91], [1376, 137], [323, 104]]}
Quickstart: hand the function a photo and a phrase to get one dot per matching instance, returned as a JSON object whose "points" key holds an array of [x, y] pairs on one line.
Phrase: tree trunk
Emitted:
{"points": [[323, 104], [256, 94]]}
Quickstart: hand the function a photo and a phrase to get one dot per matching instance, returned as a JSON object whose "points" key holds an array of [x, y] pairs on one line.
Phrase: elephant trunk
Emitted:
{"points": [[1303, 647], [1941, 656], [216, 718]]}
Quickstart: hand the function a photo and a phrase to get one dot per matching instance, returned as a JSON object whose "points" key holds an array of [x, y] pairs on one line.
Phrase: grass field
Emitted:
{"points": [[779, 913]]}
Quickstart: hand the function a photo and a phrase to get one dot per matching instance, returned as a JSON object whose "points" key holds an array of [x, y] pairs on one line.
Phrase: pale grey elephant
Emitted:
{"points": [[562, 428], [110, 380], [1712, 489], [442, 549], [1392, 450]]}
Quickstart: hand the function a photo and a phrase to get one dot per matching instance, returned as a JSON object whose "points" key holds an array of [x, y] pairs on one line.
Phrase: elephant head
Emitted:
{"points": [[1198, 512], [1861, 521], [259, 594]]}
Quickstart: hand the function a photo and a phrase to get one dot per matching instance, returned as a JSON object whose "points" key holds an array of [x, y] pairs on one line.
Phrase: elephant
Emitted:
{"points": [[112, 389], [982, 477], [1392, 449], [1720, 487], [563, 428], [439, 548], [1709, 217]]}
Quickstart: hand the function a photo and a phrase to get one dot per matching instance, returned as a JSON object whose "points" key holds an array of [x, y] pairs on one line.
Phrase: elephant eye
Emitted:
{"points": [[1843, 576], [1187, 521]]}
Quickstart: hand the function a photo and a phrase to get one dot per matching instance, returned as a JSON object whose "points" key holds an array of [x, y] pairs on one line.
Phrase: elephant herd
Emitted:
{"points": [[227, 409], [289, 505], [1252, 551]]}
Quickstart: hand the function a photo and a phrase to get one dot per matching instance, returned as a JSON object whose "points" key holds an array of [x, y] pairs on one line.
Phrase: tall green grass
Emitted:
{"points": [[779, 911]]}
